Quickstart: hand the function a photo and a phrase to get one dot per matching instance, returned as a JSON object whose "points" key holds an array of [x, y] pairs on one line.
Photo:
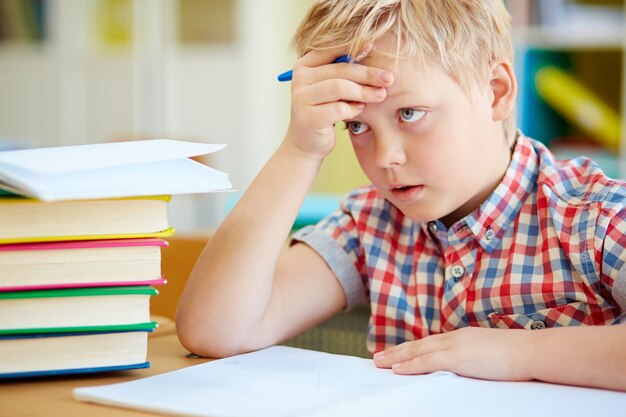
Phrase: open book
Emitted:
{"points": [[283, 381], [106, 170]]}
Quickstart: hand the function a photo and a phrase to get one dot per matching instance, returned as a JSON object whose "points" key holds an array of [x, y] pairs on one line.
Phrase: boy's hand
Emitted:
{"points": [[324, 93], [496, 354]]}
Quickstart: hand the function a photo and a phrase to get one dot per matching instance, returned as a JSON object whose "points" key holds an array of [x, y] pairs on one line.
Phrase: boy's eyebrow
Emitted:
{"points": [[402, 93]]}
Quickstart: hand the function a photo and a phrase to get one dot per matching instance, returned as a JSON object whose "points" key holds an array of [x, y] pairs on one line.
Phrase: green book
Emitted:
{"points": [[75, 310], [6, 193], [146, 327]]}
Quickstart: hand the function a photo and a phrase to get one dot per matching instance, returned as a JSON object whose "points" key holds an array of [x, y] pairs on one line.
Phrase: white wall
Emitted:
{"points": [[73, 90]]}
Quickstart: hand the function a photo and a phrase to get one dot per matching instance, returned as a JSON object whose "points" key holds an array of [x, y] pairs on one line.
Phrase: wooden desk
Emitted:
{"points": [[53, 396]]}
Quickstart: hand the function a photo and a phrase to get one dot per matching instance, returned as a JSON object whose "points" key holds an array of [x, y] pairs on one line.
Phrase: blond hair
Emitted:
{"points": [[466, 37]]}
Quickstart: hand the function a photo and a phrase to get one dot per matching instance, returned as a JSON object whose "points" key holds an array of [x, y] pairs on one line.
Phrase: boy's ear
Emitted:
{"points": [[503, 86]]}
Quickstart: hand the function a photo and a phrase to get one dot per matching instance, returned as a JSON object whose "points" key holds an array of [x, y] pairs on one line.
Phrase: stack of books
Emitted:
{"points": [[80, 251]]}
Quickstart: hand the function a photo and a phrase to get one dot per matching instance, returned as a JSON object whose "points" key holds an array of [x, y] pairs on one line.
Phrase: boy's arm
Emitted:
{"points": [[247, 291], [593, 356], [224, 304]]}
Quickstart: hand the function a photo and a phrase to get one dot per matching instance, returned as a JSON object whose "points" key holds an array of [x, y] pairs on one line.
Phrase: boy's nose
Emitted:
{"points": [[389, 152]]}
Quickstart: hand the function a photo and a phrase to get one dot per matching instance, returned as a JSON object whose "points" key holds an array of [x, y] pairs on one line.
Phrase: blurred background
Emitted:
{"points": [[91, 71]]}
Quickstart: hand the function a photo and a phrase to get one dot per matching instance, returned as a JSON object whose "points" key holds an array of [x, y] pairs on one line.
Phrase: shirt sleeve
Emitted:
{"points": [[336, 239], [614, 258]]}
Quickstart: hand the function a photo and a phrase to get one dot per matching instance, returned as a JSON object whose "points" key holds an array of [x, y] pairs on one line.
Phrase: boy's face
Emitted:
{"points": [[431, 150]]}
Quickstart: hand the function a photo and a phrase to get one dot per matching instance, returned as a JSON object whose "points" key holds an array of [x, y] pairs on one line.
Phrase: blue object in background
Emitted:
{"points": [[536, 119]]}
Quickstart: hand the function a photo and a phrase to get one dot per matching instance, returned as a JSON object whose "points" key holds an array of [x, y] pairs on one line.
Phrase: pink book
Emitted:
{"points": [[93, 263]]}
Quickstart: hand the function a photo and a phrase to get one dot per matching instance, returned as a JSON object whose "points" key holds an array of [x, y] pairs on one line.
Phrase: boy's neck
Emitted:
{"points": [[504, 159]]}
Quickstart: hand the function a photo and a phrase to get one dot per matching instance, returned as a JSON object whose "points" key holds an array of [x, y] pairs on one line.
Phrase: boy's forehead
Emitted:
{"points": [[386, 46], [387, 51], [412, 77], [400, 65]]}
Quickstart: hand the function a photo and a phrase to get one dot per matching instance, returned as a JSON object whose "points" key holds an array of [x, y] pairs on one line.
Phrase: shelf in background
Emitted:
{"points": [[570, 37]]}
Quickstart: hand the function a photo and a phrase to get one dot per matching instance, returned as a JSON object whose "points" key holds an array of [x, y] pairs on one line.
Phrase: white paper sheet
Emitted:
{"points": [[111, 170], [282, 381], [93, 156]]}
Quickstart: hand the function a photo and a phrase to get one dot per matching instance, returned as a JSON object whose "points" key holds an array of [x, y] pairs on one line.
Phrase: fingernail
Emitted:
{"points": [[380, 93], [379, 356], [360, 56], [396, 367], [386, 76]]}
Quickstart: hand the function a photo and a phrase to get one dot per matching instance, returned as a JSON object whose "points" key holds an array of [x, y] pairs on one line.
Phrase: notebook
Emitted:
{"points": [[284, 381]]}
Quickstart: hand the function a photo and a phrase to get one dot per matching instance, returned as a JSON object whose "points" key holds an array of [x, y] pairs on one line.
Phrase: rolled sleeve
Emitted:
{"points": [[619, 289], [338, 261], [614, 258]]}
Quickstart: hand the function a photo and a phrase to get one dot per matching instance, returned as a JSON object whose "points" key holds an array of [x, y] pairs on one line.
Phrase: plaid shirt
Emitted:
{"points": [[545, 249]]}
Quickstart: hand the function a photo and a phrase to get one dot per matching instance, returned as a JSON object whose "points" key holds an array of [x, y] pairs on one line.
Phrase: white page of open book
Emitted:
{"points": [[177, 176], [282, 381], [92, 156], [111, 170]]}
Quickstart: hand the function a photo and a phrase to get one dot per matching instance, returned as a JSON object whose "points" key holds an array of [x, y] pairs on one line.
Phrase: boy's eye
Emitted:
{"points": [[411, 115], [356, 128]]}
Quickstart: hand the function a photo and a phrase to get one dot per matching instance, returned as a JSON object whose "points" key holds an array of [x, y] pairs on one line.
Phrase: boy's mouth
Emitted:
{"points": [[406, 193]]}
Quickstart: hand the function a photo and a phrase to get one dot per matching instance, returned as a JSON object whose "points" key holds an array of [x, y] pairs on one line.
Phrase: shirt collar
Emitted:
{"points": [[490, 221]]}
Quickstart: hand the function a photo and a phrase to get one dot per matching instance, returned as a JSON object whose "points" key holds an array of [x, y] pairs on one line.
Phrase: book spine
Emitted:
{"points": [[161, 234], [81, 244], [80, 292], [77, 330], [74, 371], [161, 281]]}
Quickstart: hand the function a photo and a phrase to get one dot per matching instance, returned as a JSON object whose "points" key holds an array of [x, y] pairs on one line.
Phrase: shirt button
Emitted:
{"points": [[538, 325], [489, 235], [433, 227], [457, 272]]}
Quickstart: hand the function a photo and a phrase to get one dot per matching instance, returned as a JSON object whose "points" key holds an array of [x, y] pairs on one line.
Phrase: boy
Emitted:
{"points": [[469, 233]]}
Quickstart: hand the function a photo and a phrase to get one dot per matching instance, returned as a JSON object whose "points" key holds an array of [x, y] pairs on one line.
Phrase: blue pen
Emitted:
{"points": [[286, 76]]}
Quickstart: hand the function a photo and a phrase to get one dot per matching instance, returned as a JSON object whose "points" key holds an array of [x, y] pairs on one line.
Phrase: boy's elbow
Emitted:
{"points": [[201, 341], [199, 346]]}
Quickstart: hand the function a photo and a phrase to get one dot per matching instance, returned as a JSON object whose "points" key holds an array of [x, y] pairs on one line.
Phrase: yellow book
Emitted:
{"points": [[30, 220]]}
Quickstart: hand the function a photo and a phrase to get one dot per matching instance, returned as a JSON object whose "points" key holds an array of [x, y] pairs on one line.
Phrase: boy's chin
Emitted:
{"points": [[418, 216]]}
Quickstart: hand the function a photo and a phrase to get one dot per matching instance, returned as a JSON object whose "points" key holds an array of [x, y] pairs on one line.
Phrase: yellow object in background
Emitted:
{"points": [[340, 172], [115, 20], [579, 105]]}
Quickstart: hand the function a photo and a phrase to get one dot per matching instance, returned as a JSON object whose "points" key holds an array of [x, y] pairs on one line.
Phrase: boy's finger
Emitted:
{"points": [[338, 111], [409, 350], [319, 57], [430, 362], [361, 74], [338, 89]]}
